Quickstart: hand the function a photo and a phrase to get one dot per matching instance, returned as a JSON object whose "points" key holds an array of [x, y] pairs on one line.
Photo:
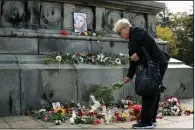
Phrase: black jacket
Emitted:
{"points": [[139, 37]]}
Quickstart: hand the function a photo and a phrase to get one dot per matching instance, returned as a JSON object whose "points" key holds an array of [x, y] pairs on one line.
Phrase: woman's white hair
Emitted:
{"points": [[122, 23]]}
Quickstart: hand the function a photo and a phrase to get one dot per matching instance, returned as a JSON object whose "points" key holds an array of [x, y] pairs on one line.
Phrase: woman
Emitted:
{"points": [[80, 23], [139, 37]]}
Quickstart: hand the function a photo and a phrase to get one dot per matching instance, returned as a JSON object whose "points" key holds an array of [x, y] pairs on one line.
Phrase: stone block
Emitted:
{"points": [[110, 47], [68, 16], [92, 76], [99, 16], [47, 46], [39, 79], [30, 59], [25, 124], [16, 118], [8, 59], [179, 81], [4, 125], [9, 90], [33, 16], [18, 45]]}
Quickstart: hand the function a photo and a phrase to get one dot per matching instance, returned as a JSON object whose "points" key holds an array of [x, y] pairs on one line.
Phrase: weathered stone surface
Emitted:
{"points": [[85, 126], [25, 124], [47, 46], [92, 76], [9, 90], [34, 14], [68, 16], [18, 45], [100, 12], [17, 118], [13, 13], [7, 59], [38, 80], [1, 120], [4, 125], [51, 15], [30, 59], [179, 81], [110, 47]]}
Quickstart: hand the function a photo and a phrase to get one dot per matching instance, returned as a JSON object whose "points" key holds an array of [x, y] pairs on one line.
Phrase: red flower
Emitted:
{"points": [[89, 54], [137, 107], [64, 32], [97, 122], [159, 117], [78, 54], [132, 119], [80, 113], [26, 113]]}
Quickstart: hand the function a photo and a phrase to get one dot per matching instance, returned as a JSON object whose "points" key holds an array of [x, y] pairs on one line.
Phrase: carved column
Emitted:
{"points": [[33, 14], [13, 13], [152, 24], [99, 17], [68, 16]]}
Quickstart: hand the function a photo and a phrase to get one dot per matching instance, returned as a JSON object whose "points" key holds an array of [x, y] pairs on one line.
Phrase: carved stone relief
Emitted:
{"points": [[51, 15], [111, 17], [130, 16], [90, 17], [13, 11], [152, 24], [139, 21]]}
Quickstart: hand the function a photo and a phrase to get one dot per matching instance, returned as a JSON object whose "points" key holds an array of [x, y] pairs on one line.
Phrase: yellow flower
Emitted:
{"points": [[59, 110], [85, 33]]}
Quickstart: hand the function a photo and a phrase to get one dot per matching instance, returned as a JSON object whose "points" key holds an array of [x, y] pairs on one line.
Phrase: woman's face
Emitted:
{"points": [[80, 21]]}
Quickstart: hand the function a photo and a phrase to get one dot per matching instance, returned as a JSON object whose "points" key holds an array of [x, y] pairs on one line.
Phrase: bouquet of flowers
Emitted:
{"points": [[170, 107]]}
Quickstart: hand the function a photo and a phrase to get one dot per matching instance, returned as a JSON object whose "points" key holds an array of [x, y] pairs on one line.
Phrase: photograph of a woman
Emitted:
{"points": [[80, 23]]}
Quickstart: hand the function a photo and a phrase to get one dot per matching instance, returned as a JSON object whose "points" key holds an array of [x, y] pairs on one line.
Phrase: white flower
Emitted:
{"points": [[98, 57], [175, 107], [175, 99], [118, 61], [105, 59], [74, 56], [121, 54], [98, 41], [123, 101], [42, 110], [94, 34], [72, 120], [58, 58], [169, 100], [81, 59]]}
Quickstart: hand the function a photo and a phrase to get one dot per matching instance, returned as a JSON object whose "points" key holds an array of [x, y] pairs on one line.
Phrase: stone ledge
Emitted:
{"points": [[55, 34]]}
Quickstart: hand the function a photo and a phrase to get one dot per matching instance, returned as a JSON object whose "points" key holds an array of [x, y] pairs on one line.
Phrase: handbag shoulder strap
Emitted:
{"points": [[146, 54]]}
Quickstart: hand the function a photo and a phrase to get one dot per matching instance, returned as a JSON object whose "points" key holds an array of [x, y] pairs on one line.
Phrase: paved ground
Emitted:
{"points": [[167, 122]]}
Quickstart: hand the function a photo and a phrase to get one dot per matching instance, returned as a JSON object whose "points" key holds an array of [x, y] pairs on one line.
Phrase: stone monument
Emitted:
{"points": [[31, 29]]}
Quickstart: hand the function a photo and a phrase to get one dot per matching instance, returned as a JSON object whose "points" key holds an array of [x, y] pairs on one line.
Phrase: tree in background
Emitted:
{"points": [[177, 29], [166, 34]]}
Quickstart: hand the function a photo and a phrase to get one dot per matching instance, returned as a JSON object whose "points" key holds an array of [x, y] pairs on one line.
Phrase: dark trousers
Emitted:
{"points": [[150, 103]]}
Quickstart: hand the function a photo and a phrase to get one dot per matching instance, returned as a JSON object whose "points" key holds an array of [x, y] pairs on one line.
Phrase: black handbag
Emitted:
{"points": [[148, 79]]}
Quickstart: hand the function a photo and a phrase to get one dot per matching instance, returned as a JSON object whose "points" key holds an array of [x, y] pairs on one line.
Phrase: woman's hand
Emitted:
{"points": [[134, 57], [127, 79]]}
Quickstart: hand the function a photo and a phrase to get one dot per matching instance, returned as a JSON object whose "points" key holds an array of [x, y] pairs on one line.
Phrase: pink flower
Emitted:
{"points": [[137, 107], [45, 118]]}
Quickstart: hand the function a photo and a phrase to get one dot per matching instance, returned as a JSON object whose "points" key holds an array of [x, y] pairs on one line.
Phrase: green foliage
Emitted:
{"points": [[166, 34], [178, 30]]}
